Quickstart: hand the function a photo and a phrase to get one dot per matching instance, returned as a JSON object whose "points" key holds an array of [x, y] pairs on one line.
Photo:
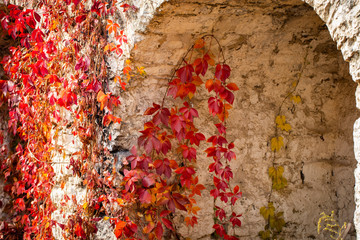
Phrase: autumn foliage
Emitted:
{"points": [[57, 83]]}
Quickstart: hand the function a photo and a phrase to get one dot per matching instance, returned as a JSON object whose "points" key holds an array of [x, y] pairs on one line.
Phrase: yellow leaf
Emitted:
{"points": [[190, 95], [268, 211], [281, 123], [276, 175], [141, 71], [296, 99], [120, 202], [85, 205], [272, 172], [276, 143], [148, 217], [117, 78], [106, 218]]}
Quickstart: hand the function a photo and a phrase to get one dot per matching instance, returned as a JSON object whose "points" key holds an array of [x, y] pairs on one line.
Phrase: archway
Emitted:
{"points": [[269, 46]]}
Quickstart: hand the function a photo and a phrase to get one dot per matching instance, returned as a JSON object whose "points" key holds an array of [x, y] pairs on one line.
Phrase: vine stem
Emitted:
{"points": [[183, 60], [299, 75]]}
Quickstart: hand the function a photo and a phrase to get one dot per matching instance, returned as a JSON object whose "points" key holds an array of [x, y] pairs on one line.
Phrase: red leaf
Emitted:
{"points": [[20, 204], [168, 223], [162, 116], [152, 110], [201, 66], [236, 189], [232, 86], [220, 213], [37, 35], [108, 118], [164, 213], [177, 123], [76, 2], [197, 189], [185, 73], [36, 16], [159, 231], [235, 220], [163, 167], [215, 106], [148, 181], [144, 196], [219, 230], [79, 231], [80, 18], [130, 229], [222, 72]]}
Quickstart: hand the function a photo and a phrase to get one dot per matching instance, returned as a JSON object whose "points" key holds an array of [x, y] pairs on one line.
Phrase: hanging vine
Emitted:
{"points": [[273, 218]]}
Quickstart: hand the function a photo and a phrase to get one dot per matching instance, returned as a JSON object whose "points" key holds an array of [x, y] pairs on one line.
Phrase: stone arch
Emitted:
{"points": [[274, 38]]}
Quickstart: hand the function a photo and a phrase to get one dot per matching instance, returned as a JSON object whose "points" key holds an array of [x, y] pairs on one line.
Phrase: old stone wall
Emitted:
{"points": [[342, 19], [268, 44]]}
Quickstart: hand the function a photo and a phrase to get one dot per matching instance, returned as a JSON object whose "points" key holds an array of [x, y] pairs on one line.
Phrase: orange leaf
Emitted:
{"points": [[200, 43], [102, 98], [126, 70], [112, 27], [209, 84], [108, 118], [148, 228], [173, 164], [232, 86], [197, 81], [119, 228], [191, 221], [110, 47]]}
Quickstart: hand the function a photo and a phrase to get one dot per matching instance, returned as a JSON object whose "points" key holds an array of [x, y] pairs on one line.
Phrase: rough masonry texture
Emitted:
{"points": [[268, 44]]}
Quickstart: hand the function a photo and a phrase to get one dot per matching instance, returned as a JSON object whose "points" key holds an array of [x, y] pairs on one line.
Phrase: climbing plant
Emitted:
{"points": [[56, 76], [274, 219], [57, 83]]}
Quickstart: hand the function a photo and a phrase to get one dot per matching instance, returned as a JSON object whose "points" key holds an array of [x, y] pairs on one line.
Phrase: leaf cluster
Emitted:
{"points": [[275, 222]]}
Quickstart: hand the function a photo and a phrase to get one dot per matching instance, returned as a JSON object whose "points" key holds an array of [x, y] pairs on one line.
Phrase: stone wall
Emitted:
{"points": [[267, 44], [343, 21]]}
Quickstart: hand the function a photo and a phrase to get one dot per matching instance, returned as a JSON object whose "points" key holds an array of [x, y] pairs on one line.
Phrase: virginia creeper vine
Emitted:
{"points": [[275, 220]]}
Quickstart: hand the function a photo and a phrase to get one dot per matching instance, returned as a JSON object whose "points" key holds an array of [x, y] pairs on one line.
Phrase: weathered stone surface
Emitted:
{"points": [[267, 45]]}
